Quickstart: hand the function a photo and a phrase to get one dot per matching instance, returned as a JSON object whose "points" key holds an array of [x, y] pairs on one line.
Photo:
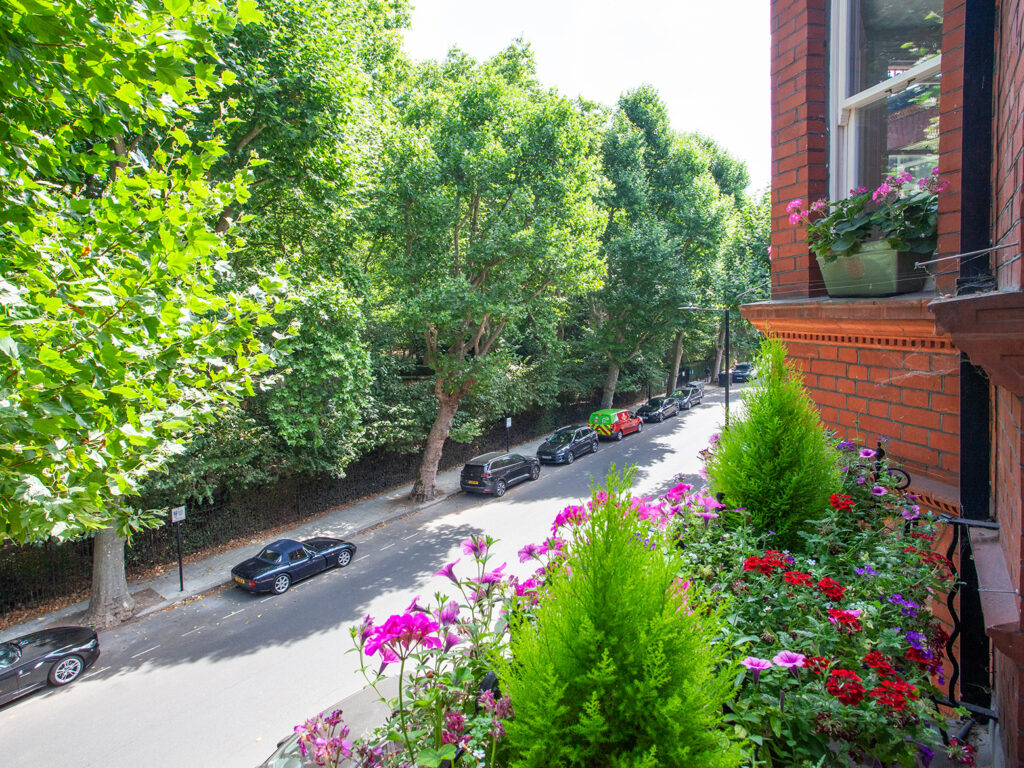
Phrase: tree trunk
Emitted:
{"points": [[425, 487], [109, 601], [610, 382], [719, 351], [677, 357]]}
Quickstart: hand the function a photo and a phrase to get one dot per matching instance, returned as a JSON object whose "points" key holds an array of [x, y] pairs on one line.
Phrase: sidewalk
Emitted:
{"points": [[207, 573]]}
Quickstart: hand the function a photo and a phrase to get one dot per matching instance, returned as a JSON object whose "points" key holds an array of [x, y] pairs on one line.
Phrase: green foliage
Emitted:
{"points": [[619, 668], [117, 335], [775, 461]]}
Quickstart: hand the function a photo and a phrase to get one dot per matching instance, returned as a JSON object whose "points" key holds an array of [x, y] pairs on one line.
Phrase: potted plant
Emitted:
{"points": [[867, 244]]}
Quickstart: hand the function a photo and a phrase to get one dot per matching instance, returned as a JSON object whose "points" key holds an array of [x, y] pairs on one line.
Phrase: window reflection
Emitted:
{"points": [[899, 133], [888, 37]]}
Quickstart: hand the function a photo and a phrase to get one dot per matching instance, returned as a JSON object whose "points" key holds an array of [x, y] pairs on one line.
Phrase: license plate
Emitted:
{"points": [[473, 482], [239, 579]]}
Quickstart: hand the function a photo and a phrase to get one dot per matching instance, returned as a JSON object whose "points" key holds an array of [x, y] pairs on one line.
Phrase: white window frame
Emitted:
{"points": [[843, 110]]}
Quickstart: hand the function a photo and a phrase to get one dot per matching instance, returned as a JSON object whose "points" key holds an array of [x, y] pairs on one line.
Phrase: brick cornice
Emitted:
{"points": [[893, 323]]}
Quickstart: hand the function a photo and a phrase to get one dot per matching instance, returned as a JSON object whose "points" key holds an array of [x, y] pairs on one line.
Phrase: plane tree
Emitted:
{"points": [[484, 213]]}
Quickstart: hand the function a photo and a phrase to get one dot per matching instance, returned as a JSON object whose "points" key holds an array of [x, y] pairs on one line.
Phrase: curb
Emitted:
{"points": [[199, 591]]}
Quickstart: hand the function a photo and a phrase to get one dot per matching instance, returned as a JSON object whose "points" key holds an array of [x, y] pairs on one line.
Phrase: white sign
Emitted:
{"points": [[508, 422], [177, 514]]}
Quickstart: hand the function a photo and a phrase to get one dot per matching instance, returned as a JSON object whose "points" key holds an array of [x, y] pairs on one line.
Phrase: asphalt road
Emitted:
{"points": [[219, 680]]}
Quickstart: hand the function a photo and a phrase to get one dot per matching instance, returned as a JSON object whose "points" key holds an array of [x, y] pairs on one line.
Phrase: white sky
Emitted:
{"points": [[709, 59]]}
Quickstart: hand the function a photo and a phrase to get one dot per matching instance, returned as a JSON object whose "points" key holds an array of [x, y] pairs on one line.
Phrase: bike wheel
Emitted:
{"points": [[901, 476]]}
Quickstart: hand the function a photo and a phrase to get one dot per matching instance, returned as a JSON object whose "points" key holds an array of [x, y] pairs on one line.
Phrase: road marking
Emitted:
{"points": [[192, 630], [360, 558], [268, 598], [411, 537], [95, 672], [234, 612], [145, 651], [388, 546]]}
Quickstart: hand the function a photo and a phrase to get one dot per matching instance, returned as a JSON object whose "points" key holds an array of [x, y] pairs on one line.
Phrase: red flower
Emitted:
{"points": [[919, 535], [844, 619], [938, 639], [833, 590], [798, 578], [894, 694], [925, 660], [767, 565], [880, 663], [845, 686], [817, 664], [841, 502]]}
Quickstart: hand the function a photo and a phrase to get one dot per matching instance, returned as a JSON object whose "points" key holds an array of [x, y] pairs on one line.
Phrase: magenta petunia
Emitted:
{"points": [[476, 546], [867, 453], [752, 662], [449, 571], [788, 659], [529, 552], [878, 491]]}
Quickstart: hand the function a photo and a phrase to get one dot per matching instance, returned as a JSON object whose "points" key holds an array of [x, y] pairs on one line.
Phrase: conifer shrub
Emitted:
{"points": [[620, 667], [775, 462]]}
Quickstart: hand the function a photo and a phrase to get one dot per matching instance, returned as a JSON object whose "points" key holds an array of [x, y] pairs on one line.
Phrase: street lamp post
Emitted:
{"points": [[728, 375]]}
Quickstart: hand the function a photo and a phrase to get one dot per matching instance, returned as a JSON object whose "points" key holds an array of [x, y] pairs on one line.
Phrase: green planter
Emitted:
{"points": [[875, 270]]}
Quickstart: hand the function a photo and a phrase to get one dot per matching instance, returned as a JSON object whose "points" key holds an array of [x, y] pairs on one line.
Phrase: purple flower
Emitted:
{"points": [[925, 755], [476, 546], [449, 571], [908, 607], [529, 552], [846, 445], [450, 641], [878, 491], [756, 665], [915, 640], [788, 659], [494, 576], [867, 571], [911, 513], [449, 614], [414, 606], [867, 453], [707, 517], [861, 481]]}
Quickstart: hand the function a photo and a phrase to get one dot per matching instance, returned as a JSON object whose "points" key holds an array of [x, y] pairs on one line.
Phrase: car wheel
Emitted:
{"points": [[570, 457], [66, 670], [281, 584], [593, 448], [618, 435], [640, 427], [535, 470], [499, 488], [344, 558]]}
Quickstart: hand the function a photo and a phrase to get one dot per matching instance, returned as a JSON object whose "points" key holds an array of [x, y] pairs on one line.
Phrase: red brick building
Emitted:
{"points": [[862, 89]]}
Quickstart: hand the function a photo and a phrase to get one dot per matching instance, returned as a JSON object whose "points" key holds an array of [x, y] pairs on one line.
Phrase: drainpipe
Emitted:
{"points": [[975, 276]]}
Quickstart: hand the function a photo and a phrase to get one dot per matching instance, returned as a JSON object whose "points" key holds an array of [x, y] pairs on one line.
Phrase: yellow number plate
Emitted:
{"points": [[239, 579], [473, 482]]}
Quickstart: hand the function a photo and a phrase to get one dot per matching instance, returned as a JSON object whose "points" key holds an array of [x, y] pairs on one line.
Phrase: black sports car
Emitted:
{"points": [[658, 409], [286, 561], [49, 657]]}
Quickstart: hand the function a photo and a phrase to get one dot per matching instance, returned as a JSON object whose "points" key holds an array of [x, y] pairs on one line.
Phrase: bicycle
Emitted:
{"points": [[901, 475]]}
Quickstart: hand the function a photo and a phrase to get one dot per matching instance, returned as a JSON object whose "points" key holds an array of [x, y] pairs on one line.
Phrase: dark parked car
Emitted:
{"points": [[742, 372], [285, 561], [689, 397], [658, 409], [50, 657], [495, 472], [567, 444]]}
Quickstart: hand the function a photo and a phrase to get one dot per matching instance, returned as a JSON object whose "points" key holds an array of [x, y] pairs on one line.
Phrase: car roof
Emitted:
{"points": [[486, 457], [284, 545], [608, 412], [571, 428]]}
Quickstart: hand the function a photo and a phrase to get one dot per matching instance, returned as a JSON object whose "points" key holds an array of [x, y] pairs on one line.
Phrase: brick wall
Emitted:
{"points": [[1007, 133], [799, 136], [950, 140], [878, 368]]}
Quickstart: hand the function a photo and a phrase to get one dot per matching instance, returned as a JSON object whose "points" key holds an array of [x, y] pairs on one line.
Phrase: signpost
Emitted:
{"points": [[177, 515], [508, 433]]}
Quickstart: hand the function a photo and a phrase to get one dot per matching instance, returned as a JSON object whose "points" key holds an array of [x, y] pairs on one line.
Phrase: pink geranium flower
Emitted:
{"points": [[401, 634]]}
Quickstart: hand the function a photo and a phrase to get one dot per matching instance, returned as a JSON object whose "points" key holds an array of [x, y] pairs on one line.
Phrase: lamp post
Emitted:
{"points": [[728, 374]]}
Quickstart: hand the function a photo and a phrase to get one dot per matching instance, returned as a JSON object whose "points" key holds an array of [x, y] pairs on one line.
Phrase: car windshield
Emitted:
{"points": [[560, 437], [656, 402], [269, 555], [9, 653]]}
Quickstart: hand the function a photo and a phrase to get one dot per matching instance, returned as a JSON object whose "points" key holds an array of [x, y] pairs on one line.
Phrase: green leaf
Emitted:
{"points": [[248, 12], [177, 8], [52, 359]]}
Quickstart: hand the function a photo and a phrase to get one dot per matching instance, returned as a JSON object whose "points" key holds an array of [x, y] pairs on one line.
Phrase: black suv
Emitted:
{"points": [[742, 372], [495, 472], [567, 444], [658, 409]]}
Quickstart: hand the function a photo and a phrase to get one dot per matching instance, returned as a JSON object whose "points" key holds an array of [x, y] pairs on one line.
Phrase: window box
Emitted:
{"points": [[874, 270]]}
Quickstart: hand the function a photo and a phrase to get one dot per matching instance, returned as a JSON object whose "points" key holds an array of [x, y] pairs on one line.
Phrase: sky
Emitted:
{"points": [[709, 59]]}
